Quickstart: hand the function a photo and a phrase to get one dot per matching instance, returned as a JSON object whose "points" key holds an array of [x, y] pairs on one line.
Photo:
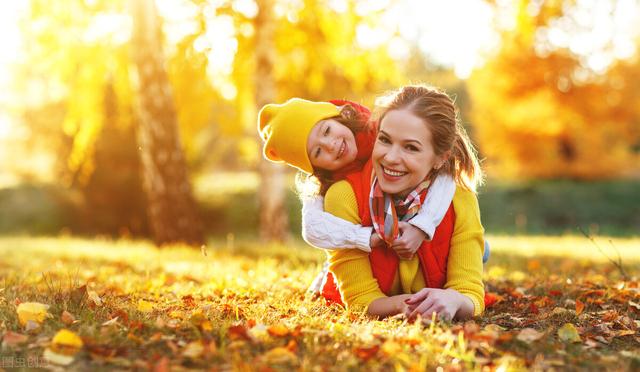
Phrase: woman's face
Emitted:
{"points": [[403, 154], [331, 145]]}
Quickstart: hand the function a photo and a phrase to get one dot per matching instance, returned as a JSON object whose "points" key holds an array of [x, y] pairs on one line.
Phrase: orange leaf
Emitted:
{"points": [[366, 353], [490, 299], [579, 307], [67, 318], [11, 339], [238, 332], [278, 330]]}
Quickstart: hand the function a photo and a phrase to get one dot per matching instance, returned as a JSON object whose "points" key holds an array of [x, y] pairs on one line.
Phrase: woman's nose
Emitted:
{"points": [[393, 155]]}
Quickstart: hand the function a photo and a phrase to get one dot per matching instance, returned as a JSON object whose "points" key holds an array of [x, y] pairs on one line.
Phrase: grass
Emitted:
{"points": [[242, 305]]}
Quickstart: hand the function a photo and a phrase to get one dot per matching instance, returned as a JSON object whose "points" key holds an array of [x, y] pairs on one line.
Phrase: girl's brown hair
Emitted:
{"points": [[439, 112], [352, 119]]}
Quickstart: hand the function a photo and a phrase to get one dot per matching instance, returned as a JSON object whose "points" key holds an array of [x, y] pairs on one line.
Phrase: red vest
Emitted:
{"points": [[433, 255]]}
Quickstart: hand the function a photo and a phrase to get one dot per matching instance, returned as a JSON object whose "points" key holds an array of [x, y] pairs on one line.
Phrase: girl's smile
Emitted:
{"points": [[331, 145]]}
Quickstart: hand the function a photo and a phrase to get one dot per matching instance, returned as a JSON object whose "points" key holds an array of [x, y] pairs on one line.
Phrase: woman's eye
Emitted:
{"points": [[383, 139], [326, 131], [411, 148], [317, 152]]}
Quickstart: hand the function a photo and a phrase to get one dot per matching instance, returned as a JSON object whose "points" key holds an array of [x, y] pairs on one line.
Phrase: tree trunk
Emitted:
{"points": [[274, 223], [171, 207]]}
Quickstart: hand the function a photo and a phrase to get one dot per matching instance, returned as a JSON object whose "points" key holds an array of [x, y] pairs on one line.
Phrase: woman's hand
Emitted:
{"points": [[445, 303], [409, 240]]}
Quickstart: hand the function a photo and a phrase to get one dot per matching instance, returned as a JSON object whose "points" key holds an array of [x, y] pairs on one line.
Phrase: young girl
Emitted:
{"points": [[330, 140]]}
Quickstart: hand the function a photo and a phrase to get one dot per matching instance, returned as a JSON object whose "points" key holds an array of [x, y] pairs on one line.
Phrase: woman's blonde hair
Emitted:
{"points": [[439, 112]]}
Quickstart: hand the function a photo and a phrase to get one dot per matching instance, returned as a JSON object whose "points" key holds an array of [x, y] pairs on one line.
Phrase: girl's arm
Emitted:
{"points": [[435, 205], [324, 230], [423, 225]]}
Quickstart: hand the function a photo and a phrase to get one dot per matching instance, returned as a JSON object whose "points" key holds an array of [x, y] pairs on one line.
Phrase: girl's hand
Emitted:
{"points": [[409, 240], [445, 303], [375, 240]]}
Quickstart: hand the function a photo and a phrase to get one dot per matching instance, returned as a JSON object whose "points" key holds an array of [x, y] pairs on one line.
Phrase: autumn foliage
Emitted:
{"points": [[540, 112]]}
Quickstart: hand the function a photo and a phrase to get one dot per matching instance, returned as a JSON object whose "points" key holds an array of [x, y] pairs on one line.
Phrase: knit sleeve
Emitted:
{"points": [[350, 267], [464, 266], [324, 230], [435, 205]]}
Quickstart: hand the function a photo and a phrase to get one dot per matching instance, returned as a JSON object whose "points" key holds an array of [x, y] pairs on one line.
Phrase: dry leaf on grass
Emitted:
{"points": [[64, 346], [529, 335], [32, 311], [12, 339], [569, 333]]}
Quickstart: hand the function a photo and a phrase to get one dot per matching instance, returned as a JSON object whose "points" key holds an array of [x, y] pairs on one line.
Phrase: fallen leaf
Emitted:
{"points": [[579, 307], [237, 332], [110, 322], [390, 348], [569, 333], [366, 353], [12, 339], [529, 335], [32, 311], [278, 330], [145, 306], [67, 318], [280, 355], [55, 358], [292, 346], [533, 265], [634, 305], [625, 332], [162, 365], [64, 346], [94, 298], [193, 350]]}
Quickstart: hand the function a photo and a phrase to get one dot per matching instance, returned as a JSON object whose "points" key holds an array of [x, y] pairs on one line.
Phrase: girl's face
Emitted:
{"points": [[403, 154], [331, 145]]}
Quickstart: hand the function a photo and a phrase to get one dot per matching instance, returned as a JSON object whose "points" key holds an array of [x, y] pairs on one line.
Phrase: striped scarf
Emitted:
{"points": [[385, 209]]}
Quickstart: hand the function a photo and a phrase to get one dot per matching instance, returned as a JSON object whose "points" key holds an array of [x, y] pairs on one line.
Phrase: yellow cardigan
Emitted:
{"points": [[352, 269]]}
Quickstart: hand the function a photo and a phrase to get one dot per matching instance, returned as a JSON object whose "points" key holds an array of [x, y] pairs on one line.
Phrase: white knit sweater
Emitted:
{"points": [[324, 230]]}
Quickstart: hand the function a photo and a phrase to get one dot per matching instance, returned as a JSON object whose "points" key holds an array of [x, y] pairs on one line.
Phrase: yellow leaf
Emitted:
{"points": [[31, 311], [280, 355], [66, 342], [145, 306], [390, 348], [569, 333]]}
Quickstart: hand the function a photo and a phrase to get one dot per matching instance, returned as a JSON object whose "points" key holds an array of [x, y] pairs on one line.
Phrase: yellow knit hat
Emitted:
{"points": [[284, 128]]}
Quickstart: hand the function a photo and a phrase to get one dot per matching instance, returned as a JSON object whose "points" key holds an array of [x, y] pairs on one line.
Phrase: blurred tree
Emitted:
{"points": [[274, 225], [171, 209], [541, 113]]}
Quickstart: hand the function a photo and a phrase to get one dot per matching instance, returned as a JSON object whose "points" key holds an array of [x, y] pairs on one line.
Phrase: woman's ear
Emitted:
{"points": [[442, 160]]}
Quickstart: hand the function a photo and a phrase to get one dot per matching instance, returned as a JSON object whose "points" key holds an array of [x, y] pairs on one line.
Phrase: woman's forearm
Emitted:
{"points": [[388, 306], [466, 309]]}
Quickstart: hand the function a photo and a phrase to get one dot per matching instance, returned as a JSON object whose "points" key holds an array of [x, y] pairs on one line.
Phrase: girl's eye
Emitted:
{"points": [[326, 131], [317, 152]]}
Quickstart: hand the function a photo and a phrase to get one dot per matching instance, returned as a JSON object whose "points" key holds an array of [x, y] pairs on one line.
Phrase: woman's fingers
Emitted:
{"points": [[425, 306], [419, 296]]}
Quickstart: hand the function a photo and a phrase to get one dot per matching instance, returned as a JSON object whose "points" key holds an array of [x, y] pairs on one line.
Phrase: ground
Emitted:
{"points": [[559, 303]]}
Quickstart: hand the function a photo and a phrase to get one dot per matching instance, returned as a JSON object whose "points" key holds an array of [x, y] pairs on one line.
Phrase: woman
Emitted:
{"points": [[419, 138]]}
